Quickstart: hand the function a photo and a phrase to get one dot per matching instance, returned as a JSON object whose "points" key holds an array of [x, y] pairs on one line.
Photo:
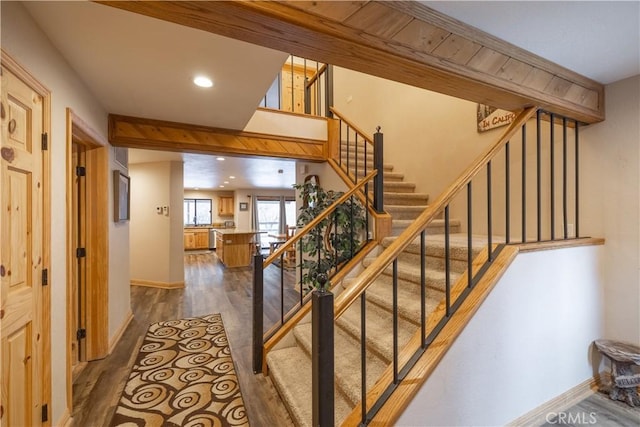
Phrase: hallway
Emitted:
{"points": [[209, 288]]}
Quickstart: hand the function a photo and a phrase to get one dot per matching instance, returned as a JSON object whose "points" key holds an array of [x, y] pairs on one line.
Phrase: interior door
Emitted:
{"points": [[21, 222]]}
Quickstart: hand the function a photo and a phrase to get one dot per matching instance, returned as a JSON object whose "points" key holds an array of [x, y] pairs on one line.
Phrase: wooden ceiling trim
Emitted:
{"points": [[488, 61], [133, 132], [291, 27], [334, 10], [514, 70], [379, 20], [421, 36]]}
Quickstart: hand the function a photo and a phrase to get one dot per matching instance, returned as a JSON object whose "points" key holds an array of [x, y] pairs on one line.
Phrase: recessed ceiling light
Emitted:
{"points": [[232, 177], [222, 186], [202, 81], [226, 182], [220, 159]]}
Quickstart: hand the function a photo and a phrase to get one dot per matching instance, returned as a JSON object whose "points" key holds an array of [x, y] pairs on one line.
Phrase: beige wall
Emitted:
{"points": [[611, 204], [156, 242], [24, 41]]}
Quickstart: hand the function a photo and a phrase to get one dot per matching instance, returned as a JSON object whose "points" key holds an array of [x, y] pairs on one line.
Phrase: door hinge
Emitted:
{"points": [[81, 171], [45, 141], [45, 276], [81, 252], [45, 412], [81, 334]]}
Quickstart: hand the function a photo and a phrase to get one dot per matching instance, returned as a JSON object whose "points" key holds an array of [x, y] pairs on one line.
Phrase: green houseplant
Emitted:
{"points": [[335, 240]]}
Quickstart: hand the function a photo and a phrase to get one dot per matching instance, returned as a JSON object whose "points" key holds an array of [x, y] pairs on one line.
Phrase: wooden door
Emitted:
{"points": [[79, 270], [22, 253]]}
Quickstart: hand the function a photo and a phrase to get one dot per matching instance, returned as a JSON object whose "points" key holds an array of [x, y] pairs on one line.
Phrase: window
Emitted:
{"points": [[269, 217], [197, 211]]}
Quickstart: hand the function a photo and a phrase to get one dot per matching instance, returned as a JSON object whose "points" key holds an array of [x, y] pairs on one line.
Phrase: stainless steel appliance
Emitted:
{"points": [[212, 238], [229, 224]]}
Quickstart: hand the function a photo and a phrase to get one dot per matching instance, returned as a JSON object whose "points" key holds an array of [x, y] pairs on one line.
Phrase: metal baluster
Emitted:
{"points": [[363, 357], [564, 177], [292, 91], [577, 233], [282, 288], [423, 290], [355, 175], [507, 191], [257, 315], [489, 218], [447, 262], [341, 145], [469, 239], [395, 321], [524, 183], [553, 180], [539, 173]]}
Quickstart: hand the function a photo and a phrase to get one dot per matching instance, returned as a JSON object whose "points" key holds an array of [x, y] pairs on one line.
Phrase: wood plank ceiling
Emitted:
{"points": [[403, 41]]}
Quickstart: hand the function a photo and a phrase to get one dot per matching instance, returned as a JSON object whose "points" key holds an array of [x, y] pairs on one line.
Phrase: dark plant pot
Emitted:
{"points": [[322, 356]]}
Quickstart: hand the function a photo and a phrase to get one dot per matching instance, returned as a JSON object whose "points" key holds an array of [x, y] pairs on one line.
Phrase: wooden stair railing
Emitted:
{"points": [[404, 359]]}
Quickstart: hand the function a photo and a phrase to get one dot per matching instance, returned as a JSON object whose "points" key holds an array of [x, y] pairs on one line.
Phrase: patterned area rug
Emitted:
{"points": [[183, 376]]}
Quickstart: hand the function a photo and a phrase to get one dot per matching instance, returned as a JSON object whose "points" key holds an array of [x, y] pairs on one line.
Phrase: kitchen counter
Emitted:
{"points": [[235, 247]]}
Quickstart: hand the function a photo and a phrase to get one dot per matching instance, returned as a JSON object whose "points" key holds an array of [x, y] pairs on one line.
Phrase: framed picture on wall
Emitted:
{"points": [[121, 155], [244, 206], [121, 196]]}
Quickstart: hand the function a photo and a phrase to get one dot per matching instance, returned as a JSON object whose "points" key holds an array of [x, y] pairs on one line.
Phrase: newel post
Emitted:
{"points": [[322, 355], [378, 164], [258, 309]]}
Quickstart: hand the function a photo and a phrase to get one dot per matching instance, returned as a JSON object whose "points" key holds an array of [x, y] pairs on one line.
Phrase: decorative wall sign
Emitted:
{"points": [[491, 117]]}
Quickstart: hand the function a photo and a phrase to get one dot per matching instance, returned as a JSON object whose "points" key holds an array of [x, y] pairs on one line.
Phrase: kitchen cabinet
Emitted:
{"points": [[196, 238], [235, 248], [225, 206]]}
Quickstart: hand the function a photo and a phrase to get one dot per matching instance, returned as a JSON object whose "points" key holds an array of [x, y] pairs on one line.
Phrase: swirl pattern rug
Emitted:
{"points": [[183, 376]]}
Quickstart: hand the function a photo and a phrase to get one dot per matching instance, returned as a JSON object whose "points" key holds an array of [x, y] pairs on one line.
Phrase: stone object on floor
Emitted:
{"points": [[624, 381]]}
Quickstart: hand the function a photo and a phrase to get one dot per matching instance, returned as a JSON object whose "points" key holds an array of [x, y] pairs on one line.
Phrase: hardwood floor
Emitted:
{"points": [[597, 409], [209, 288]]}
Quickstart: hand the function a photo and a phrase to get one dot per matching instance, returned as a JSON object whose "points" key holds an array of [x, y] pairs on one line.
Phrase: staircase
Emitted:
{"points": [[290, 364]]}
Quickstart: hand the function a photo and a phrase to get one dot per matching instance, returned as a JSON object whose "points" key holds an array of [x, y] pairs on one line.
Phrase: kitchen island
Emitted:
{"points": [[236, 247]]}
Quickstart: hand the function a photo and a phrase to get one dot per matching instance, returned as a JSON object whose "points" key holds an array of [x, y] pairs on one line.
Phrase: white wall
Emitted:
{"points": [[274, 122], [530, 341], [611, 204], [156, 238], [24, 41]]}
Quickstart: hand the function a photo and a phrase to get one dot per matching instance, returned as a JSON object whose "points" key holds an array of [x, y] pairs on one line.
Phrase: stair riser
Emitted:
{"points": [[433, 262], [437, 250], [405, 212], [416, 199], [396, 228], [399, 187], [352, 167]]}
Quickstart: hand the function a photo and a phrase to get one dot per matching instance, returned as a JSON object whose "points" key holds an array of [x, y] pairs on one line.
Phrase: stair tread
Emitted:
{"points": [[399, 187], [294, 385], [435, 244], [347, 361], [411, 273], [379, 329], [381, 293]]}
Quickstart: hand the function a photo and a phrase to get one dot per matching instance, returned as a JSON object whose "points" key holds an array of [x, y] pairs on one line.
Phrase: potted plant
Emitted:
{"points": [[335, 240]]}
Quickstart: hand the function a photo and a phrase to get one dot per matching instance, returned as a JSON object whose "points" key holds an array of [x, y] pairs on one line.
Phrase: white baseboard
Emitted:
{"points": [[537, 416], [116, 337], [153, 284]]}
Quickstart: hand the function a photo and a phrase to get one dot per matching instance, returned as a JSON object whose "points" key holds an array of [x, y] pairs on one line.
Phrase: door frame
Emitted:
{"points": [[96, 242], [23, 74]]}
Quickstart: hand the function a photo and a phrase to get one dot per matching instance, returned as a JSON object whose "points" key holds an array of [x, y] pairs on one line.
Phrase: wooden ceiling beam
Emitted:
{"points": [[134, 132], [401, 41]]}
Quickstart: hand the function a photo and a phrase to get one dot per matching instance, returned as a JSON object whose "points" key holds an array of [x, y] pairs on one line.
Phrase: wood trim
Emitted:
{"points": [[293, 113], [559, 403], [155, 284], [134, 132], [558, 244], [304, 310], [344, 300], [65, 419], [123, 327], [23, 74], [421, 47]]}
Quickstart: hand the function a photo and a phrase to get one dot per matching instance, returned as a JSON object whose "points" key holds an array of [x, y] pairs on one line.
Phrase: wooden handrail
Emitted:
{"points": [[346, 298], [317, 75], [351, 125], [307, 228]]}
